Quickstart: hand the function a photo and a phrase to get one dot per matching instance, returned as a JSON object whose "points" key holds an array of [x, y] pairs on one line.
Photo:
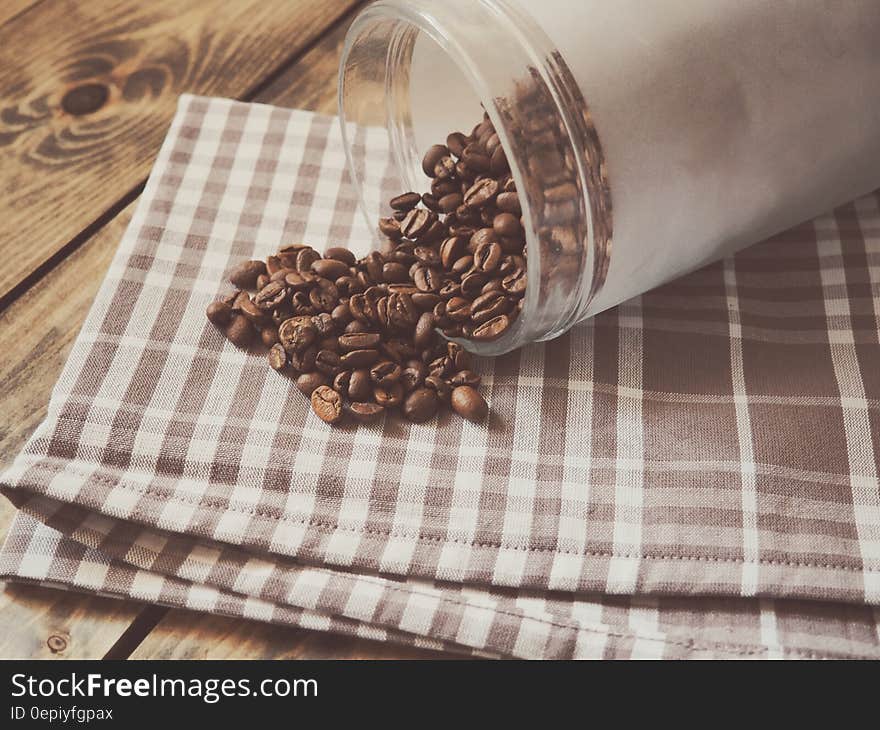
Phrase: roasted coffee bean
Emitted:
{"points": [[406, 201], [498, 163], [341, 382], [465, 377], [355, 327], [451, 250], [461, 358], [393, 272], [324, 325], [402, 313], [329, 343], [481, 193], [439, 188], [421, 405], [445, 168], [390, 227], [365, 412], [472, 283], [329, 268], [432, 157], [509, 203], [424, 331], [492, 329], [425, 301], [273, 264], [269, 336], [474, 158], [388, 397], [340, 254], [304, 360], [417, 222], [431, 202], [325, 296], [307, 382], [458, 309], [489, 305], [411, 378], [296, 334], [219, 313], [360, 386], [384, 374], [439, 386], [327, 404], [357, 305], [240, 332], [305, 257], [358, 359], [456, 142], [327, 362], [277, 357], [427, 279], [506, 224], [295, 281], [468, 403], [360, 341], [448, 203], [515, 282], [244, 275], [246, 306], [271, 295], [487, 258], [341, 314]]}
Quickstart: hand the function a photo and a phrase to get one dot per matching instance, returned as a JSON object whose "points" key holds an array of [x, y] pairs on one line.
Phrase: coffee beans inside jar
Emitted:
{"points": [[361, 336]]}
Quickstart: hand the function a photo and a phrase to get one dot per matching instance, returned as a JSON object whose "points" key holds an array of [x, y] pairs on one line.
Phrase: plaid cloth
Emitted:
{"points": [[715, 437]]}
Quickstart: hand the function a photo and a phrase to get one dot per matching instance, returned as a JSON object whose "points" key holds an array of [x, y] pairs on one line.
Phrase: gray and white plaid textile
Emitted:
{"points": [[693, 473]]}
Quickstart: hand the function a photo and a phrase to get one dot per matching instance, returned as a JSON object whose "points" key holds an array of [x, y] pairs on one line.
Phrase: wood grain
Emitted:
{"points": [[10, 8], [82, 113]]}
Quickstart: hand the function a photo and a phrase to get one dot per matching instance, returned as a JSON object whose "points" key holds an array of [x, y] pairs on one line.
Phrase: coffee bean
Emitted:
{"points": [[492, 329], [448, 203], [421, 405], [481, 193], [427, 279], [323, 324], [458, 309], [327, 362], [329, 268], [360, 386], [365, 412], [445, 168], [304, 360], [432, 157], [431, 202], [425, 301], [244, 275], [277, 357], [385, 374], [269, 336], [412, 378], [327, 404], [394, 272], [439, 386], [360, 341], [487, 257], [271, 295], [489, 305], [358, 359], [406, 201], [468, 403], [341, 382], [456, 142], [390, 227], [465, 377], [341, 315], [219, 313], [388, 397], [506, 224], [509, 203], [355, 327], [307, 382], [240, 332], [515, 282], [424, 331], [340, 254], [295, 335], [324, 298], [417, 222]]}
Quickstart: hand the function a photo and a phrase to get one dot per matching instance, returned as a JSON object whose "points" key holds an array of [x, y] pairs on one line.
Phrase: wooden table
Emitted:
{"points": [[87, 89]]}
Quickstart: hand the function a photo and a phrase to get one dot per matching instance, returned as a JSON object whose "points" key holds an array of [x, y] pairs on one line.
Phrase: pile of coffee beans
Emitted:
{"points": [[362, 335]]}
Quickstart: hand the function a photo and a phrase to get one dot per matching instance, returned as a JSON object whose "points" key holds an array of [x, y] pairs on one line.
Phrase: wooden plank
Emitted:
{"points": [[82, 112], [187, 635], [10, 8], [41, 623]]}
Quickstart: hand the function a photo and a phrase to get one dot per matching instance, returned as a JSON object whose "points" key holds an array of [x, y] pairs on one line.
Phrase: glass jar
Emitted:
{"points": [[645, 139]]}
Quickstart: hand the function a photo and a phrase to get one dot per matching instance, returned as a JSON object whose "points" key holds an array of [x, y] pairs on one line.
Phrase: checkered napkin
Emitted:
{"points": [[708, 443]]}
